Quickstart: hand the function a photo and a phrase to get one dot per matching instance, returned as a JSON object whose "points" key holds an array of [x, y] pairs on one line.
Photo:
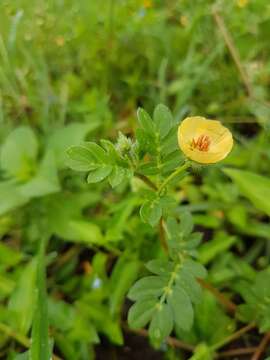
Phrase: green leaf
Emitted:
{"points": [[99, 174], [145, 121], [23, 356], [255, 187], [147, 286], [212, 324], [65, 219], [160, 266], [182, 308], [210, 250], [190, 285], [186, 223], [163, 120], [195, 268], [40, 346], [141, 313], [45, 181], [11, 197], [117, 225], [84, 330], [110, 148], [22, 300], [97, 152], [127, 271], [151, 211], [80, 158], [18, 153], [72, 134], [117, 176], [102, 319], [61, 314], [202, 352], [257, 297], [9, 256], [161, 324], [84, 231]]}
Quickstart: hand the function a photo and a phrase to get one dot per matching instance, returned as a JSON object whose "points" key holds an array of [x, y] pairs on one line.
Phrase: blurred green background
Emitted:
{"points": [[77, 70]]}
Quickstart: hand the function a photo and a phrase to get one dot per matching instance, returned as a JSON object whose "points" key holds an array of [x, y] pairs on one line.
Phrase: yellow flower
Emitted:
{"points": [[147, 4], [242, 3], [204, 141], [184, 20]]}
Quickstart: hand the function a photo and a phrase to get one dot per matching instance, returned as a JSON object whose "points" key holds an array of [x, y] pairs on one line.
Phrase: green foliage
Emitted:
{"points": [[165, 299], [256, 296], [102, 162], [63, 89], [157, 138], [259, 195], [22, 299], [40, 345]]}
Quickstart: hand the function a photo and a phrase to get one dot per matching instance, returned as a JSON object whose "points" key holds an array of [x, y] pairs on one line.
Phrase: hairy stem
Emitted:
{"points": [[177, 172]]}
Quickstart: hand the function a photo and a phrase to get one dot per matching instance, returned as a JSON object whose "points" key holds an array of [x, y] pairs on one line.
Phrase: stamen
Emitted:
{"points": [[202, 143]]}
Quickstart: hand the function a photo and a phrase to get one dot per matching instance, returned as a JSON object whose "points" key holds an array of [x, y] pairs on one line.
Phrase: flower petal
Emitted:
{"points": [[194, 127]]}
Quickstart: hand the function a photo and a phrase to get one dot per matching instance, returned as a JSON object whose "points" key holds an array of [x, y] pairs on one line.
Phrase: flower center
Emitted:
{"points": [[202, 143]]}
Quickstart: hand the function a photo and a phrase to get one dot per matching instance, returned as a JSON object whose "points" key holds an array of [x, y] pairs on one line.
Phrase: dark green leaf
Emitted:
{"points": [[147, 286], [182, 308], [141, 313], [161, 324]]}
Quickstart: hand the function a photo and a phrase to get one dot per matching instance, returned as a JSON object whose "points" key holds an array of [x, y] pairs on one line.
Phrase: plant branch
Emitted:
{"points": [[162, 235], [235, 352], [228, 304], [146, 180], [172, 176], [262, 347], [234, 336], [170, 340], [233, 51]]}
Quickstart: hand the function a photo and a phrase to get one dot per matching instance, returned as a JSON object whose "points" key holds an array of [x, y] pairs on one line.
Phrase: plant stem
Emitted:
{"points": [[146, 180], [21, 339], [228, 304], [262, 347], [162, 235], [234, 336], [233, 51], [235, 352], [173, 175], [170, 340]]}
